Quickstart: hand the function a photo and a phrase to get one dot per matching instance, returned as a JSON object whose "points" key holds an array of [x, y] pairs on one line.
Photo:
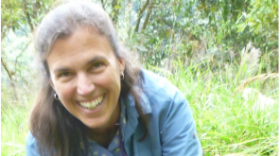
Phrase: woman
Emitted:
{"points": [[93, 101]]}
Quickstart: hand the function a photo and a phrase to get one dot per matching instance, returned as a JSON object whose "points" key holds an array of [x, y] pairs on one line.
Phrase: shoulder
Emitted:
{"points": [[30, 140], [168, 106], [153, 83], [31, 145], [159, 90], [162, 97]]}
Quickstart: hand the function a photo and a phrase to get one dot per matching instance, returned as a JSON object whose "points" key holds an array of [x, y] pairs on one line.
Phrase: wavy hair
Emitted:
{"points": [[57, 131]]}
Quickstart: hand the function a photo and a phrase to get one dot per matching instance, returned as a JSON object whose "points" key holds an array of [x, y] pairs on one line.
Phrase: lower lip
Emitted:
{"points": [[93, 110]]}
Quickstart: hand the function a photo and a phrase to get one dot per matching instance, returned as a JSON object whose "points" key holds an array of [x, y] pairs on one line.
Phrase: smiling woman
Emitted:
{"points": [[93, 101], [86, 77]]}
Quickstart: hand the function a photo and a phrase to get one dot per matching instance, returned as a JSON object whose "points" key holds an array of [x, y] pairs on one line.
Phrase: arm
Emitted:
{"points": [[178, 133]]}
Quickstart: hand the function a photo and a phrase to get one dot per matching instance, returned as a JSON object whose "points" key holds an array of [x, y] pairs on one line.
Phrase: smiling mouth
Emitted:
{"points": [[92, 104]]}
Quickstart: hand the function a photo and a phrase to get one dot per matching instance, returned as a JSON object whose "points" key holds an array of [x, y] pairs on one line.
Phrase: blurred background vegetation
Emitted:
{"points": [[222, 54]]}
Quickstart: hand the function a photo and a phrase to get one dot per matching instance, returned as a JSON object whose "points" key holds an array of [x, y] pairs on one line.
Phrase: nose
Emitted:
{"points": [[84, 85]]}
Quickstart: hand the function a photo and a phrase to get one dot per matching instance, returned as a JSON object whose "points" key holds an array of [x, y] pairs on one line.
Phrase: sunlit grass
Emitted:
{"points": [[14, 123]]}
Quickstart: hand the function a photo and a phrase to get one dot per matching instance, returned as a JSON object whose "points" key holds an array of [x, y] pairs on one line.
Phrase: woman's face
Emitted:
{"points": [[85, 74]]}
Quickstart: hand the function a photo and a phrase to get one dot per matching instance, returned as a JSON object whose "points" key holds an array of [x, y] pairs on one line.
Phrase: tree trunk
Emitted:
{"points": [[141, 14], [148, 15]]}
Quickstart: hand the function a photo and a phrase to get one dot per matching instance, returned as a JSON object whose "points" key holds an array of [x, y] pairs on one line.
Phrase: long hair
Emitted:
{"points": [[57, 131]]}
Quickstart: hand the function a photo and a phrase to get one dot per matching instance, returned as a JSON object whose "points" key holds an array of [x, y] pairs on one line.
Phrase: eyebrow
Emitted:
{"points": [[93, 60], [61, 70]]}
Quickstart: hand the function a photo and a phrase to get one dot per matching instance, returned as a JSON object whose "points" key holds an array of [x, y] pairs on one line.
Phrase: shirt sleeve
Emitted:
{"points": [[179, 134], [31, 146]]}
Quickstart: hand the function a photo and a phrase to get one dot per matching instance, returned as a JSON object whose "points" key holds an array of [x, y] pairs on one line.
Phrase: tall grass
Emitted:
{"points": [[14, 121], [226, 122], [13, 130]]}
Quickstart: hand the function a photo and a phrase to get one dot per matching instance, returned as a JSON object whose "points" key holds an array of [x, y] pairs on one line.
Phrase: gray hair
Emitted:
{"points": [[66, 18]]}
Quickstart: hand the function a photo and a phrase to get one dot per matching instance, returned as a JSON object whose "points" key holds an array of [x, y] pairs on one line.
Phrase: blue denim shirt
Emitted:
{"points": [[171, 126]]}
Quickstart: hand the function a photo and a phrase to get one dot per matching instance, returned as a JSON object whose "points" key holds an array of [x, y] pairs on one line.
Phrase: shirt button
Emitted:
{"points": [[194, 136]]}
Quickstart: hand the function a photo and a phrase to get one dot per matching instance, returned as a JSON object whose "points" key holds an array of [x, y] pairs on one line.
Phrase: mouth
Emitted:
{"points": [[92, 104]]}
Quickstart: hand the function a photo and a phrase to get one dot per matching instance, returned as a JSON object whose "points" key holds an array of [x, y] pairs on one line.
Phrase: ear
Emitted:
{"points": [[122, 65]]}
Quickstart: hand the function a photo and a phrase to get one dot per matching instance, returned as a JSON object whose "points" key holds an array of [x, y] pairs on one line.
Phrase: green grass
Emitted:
{"points": [[224, 123], [14, 123], [13, 130]]}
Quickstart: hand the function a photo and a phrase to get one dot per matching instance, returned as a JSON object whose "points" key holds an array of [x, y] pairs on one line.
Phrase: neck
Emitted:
{"points": [[103, 131], [103, 136], [110, 128]]}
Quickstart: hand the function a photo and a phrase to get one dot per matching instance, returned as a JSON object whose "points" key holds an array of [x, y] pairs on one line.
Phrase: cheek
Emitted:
{"points": [[109, 80], [65, 92]]}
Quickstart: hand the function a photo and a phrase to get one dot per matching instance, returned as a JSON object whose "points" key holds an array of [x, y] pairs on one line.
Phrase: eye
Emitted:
{"points": [[64, 74], [97, 66]]}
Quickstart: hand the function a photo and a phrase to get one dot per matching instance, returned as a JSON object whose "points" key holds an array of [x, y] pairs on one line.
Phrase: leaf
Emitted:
{"points": [[141, 48]]}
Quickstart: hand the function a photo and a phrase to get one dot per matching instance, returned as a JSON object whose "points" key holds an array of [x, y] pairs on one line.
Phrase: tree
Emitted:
{"points": [[18, 15]]}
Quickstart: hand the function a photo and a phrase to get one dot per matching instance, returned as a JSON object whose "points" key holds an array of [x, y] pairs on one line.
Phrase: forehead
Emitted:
{"points": [[81, 37], [83, 41]]}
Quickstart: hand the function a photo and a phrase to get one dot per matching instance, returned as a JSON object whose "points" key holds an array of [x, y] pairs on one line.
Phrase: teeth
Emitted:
{"points": [[92, 104]]}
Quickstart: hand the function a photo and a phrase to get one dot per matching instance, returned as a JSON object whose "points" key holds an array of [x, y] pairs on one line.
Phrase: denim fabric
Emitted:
{"points": [[171, 126]]}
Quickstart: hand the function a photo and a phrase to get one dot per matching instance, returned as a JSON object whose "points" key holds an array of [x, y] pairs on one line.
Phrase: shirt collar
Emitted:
{"points": [[129, 115]]}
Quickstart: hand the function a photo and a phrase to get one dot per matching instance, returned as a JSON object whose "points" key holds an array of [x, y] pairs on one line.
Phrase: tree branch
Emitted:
{"points": [[15, 65], [141, 14], [7, 69], [10, 77], [115, 12], [103, 4], [129, 19], [148, 15], [27, 16]]}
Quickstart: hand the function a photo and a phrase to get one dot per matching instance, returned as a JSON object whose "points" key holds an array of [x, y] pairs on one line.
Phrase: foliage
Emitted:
{"points": [[206, 28], [19, 14], [18, 20], [262, 23]]}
